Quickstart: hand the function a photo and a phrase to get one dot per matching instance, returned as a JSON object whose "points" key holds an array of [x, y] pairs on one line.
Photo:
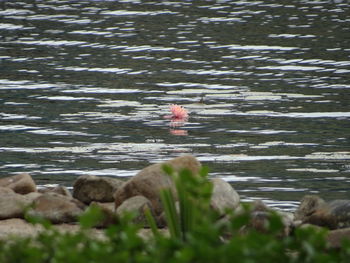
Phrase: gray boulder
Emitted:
{"points": [[149, 181], [21, 183], [94, 188], [224, 196]]}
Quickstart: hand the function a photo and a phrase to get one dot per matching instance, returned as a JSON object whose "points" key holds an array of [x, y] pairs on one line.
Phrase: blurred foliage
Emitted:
{"points": [[196, 234]]}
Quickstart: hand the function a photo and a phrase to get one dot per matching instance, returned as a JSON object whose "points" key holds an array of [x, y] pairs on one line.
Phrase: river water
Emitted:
{"points": [[85, 85]]}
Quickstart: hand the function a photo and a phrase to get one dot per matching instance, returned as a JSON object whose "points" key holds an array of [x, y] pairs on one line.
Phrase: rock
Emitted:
{"points": [[31, 197], [149, 181], [21, 183], [288, 221], [19, 228], [137, 205], [13, 205], [16, 227], [105, 206], [333, 215], [56, 208], [308, 206], [224, 196], [5, 190], [335, 237], [260, 216], [62, 190], [108, 212], [94, 188]]}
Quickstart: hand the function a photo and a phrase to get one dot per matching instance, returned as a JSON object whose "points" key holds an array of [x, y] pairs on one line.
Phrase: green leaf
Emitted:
{"points": [[171, 215], [168, 169], [151, 222]]}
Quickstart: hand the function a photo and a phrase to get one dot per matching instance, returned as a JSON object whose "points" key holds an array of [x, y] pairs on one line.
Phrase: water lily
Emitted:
{"points": [[178, 117], [178, 112]]}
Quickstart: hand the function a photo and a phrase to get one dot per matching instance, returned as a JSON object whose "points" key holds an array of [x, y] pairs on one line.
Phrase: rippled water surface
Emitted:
{"points": [[85, 85]]}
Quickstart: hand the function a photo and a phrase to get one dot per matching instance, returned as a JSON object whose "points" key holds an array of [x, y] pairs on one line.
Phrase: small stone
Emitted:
{"points": [[94, 188], [21, 183]]}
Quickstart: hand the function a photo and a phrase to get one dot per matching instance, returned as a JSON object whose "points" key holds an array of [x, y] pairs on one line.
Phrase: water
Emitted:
{"points": [[84, 86]]}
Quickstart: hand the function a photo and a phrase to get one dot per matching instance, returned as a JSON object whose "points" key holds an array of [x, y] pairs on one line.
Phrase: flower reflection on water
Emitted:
{"points": [[178, 119]]}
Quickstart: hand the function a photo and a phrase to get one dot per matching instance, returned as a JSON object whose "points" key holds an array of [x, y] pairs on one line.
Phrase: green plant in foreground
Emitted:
{"points": [[195, 235], [193, 205]]}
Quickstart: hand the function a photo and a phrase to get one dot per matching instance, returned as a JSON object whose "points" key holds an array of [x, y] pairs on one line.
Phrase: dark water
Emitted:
{"points": [[84, 86]]}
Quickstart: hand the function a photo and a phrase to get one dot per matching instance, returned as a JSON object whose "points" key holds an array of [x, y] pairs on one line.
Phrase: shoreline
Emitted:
{"points": [[20, 197]]}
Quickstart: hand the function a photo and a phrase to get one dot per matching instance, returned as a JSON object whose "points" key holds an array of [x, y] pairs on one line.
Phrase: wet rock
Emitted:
{"points": [[21, 183], [62, 190], [333, 215], [13, 205], [136, 205], [56, 208], [93, 188], [224, 196], [149, 181]]}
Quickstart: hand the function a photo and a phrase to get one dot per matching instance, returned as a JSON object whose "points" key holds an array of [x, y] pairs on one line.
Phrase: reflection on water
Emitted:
{"points": [[175, 127], [85, 86]]}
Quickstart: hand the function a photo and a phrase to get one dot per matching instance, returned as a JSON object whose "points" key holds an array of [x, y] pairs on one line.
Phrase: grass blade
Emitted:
{"points": [[171, 215], [151, 222]]}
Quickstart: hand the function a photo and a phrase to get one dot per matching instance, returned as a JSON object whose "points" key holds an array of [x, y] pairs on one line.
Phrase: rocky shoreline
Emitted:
{"points": [[20, 197]]}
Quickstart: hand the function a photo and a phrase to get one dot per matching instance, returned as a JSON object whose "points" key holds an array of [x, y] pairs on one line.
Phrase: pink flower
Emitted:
{"points": [[178, 112]]}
